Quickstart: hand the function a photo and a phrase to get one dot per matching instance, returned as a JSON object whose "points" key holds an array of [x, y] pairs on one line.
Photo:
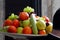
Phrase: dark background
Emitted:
{"points": [[16, 6]]}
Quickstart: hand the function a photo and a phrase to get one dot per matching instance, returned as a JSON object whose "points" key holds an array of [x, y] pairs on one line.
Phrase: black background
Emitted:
{"points": [[16, 6]]}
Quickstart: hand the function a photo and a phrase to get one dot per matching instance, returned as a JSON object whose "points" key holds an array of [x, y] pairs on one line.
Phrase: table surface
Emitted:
{"points": [[56, 33]]}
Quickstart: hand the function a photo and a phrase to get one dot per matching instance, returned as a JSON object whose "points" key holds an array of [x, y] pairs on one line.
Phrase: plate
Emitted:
{"points": [[15, 35]]}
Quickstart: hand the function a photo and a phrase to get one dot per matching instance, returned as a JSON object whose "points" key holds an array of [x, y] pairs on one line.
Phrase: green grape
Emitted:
{"points": [[13, 16], [32, 10], [16, 17], [28, 9]]}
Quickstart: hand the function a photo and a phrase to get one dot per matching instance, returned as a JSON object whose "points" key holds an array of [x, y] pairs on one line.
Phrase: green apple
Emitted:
{"points": [[41, 25], [20, 30], [49, 28], [26, 22]]}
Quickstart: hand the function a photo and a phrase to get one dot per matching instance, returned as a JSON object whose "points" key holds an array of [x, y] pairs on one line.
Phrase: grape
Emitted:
{"points": [[13, 16], [28, 9]]}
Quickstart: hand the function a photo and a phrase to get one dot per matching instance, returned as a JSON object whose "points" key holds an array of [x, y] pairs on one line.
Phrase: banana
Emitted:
{"points": [[33, 23], [41, 25]]}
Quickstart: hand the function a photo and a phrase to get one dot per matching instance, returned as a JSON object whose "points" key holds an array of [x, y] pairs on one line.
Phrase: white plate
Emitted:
{"points": [[21, 35]]}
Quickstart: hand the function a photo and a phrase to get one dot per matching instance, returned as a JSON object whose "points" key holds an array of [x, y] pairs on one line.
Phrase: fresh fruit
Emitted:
{"points": [[7, 22], [42, 32], [41, 18], [23, 16], [16, 23], [41, 25], [21, 23], [13, 16], [33, 23], [46, 19], [26, 22], [5, 28], [49, 28], [12, 29], [20, 30], [37, 17], [28, 9], [27, 30]]}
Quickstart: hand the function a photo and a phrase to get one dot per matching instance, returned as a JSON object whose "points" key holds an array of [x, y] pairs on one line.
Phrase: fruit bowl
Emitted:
{"points": [[27, 25]]}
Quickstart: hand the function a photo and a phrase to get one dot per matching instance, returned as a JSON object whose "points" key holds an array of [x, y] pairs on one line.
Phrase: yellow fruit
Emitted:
{"points": [[49, 28], [41, 25]]}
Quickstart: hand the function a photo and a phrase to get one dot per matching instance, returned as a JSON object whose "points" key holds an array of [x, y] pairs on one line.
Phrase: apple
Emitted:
{"points": [[16, 23], [46, 18], [49, 28], [23, 16], [12, 29], [7, 22], [27, 30], [41, 25], [42, 32], [20, 30], [26, 22]]}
